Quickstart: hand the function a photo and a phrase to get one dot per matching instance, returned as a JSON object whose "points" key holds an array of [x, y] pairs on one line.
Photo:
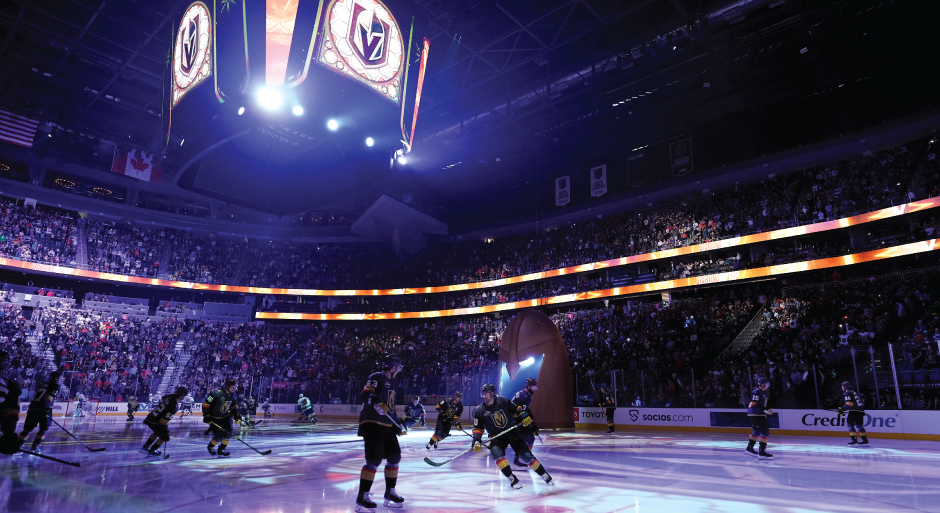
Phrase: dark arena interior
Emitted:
{"points": [[538, 256]]}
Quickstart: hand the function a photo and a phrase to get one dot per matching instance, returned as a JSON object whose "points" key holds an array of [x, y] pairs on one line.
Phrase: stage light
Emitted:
{"points": [[270, 98], [332, 124], [369, 141], [241, 110], [298, 110], [402, 160]]}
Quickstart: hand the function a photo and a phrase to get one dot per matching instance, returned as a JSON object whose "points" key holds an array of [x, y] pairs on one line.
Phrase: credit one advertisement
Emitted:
{"points": [[806, 422]]}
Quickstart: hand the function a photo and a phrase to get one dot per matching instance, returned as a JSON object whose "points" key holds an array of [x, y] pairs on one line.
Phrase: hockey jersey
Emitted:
{"points": [[44, 399], [522, 399], [414, 411], [165, 409], [221, 405], [853, 402], [448, 410], [495, 418], [379, 388], [605, 400], [759, 399]]}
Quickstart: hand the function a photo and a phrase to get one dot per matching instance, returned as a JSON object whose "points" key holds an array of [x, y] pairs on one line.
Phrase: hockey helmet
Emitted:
{"points": [[392, 362], [601, 386], [489, 387], [182, 392], [532, 383], [300, 396], [229, 382], [416, 398], [762, 381], [458, 395], [846, 385]]}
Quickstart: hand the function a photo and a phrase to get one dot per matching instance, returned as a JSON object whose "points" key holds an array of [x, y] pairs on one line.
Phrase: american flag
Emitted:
{"points": [[17, 129]]}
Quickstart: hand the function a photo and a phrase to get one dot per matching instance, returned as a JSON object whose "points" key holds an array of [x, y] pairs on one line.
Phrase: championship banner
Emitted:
{"points": [[562, 191], [599, 181], [680, 155]]}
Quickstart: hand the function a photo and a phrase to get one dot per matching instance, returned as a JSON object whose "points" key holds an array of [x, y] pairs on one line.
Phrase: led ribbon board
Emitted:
{"points": [[192, 62], [836, 224], [748, 274], [362, 41]]}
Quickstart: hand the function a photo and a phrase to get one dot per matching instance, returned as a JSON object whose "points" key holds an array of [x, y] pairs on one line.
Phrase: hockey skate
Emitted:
{"points": [[853, 442], [393, 500], [750, 451], [548, 479], [223, 453], [863, 443], [211, 449], [764, 455], [153, 452], [514, 481], [432, 443], [364, 503]]}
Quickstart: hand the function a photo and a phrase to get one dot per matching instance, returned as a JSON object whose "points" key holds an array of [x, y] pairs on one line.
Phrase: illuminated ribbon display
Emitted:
{"points": [[748, 274], [836, 224]]}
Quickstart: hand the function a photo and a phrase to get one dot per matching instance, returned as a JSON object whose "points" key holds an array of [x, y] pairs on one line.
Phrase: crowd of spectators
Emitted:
{"points": [[47, 236], [203, 258], [122, 248]]}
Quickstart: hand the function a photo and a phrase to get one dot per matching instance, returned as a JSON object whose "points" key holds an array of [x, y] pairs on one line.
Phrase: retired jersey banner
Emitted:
{"points": [[136, 164], [680, 155], [599, 181], [562, 191]]}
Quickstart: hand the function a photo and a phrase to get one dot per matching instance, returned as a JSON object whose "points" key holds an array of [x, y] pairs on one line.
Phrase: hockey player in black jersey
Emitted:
{"points": [[606, 401], [414, 413], [9, 410], [132, 407], [855, 420], [523, 399], [496, 415], [378, 427], [758, 411], [218, 410], [158, 421], [448, 413], [40, 410]]}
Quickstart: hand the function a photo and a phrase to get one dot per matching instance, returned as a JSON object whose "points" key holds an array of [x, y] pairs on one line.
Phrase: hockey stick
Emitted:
{"points": [[166, 449], [265, 453], [436, 464], [403, 430], [99, 449], [50, 458]]}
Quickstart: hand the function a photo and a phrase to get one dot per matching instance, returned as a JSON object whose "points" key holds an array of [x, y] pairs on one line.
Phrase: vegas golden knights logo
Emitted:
{"points": [[225, 406], [499, 418]]}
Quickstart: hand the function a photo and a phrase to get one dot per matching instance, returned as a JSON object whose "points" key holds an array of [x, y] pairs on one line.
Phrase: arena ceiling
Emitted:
{"points": [[516, 90]]}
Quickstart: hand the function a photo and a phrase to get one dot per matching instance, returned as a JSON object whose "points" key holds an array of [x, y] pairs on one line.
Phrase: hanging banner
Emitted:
{"points": [[599, 181], [680, 155], [562, 191]]}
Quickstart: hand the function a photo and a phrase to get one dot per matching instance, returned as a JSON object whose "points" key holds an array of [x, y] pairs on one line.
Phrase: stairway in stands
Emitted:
{"points": [[81, 249], [34, 338], [173, 371]]}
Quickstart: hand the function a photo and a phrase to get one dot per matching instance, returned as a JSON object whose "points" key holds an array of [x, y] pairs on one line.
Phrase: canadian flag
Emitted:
{"points": [[137, 164]]}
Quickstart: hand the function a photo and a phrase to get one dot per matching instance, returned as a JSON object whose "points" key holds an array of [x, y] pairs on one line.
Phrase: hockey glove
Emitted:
{"points": [[477, 446], [380, 408], [769, 412], [525, 418], [205, 419], [839, 410]]}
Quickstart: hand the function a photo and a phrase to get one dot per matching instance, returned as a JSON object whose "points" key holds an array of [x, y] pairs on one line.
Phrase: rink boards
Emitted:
{"points": [[905, 424]]}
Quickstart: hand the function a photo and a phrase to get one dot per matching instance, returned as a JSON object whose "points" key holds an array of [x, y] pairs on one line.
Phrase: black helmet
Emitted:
{"points": [[392, 361], [182, 392], [417, 398], [602, 385], [229, 382], [846, 385], [489, 387], [762, 381], [531, 383], [458, 395]]}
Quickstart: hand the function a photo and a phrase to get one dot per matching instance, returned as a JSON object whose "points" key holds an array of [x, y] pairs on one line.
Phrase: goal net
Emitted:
{"points": [[87, 409]]}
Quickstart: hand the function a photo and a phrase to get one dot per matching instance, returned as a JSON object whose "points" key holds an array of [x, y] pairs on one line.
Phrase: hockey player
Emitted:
{"points": [[855, 420], [758, 411], [132, 407], [496, 415], [448, 413], [158, 420], [218, 410], [523, 400], [40, 410], [378, 427], [186, 405], [414, 413], [305, 407], [266, 408], [606, 401], [9, 410], [80, 410]]}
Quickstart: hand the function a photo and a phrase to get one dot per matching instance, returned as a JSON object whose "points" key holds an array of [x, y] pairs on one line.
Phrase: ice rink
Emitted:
{"points": [[316, 469]]}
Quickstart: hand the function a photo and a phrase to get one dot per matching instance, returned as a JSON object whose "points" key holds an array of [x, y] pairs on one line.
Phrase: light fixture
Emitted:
{"points": [[241, 110], [298, 110], [270, 98], [402, 160], [182, 140], [369, 141], [332, 124]]}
